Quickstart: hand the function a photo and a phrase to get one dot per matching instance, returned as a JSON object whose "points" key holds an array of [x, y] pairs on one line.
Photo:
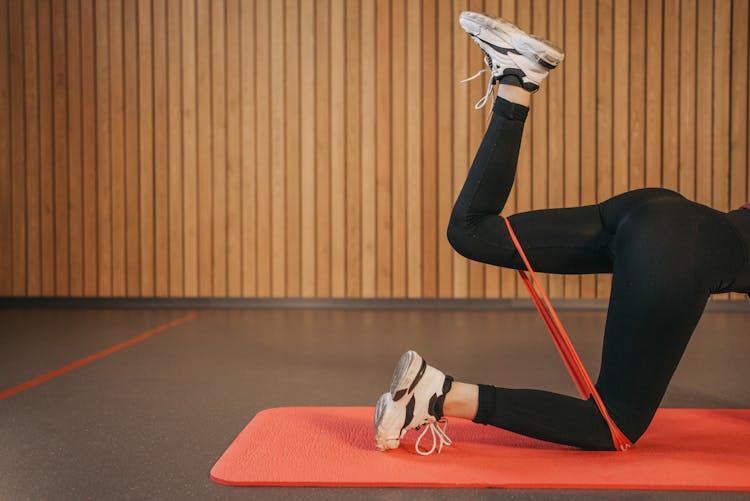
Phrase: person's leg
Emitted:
{"points": [[669, 255], [558, 240]]}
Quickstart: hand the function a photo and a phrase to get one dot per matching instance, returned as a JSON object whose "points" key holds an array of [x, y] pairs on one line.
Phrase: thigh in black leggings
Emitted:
{"points": [[667, 256]]}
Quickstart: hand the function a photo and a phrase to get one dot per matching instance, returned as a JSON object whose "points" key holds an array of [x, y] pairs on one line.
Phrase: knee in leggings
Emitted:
{"points": [[459, 229], [476, 238], [459, 235], [635, 423]]}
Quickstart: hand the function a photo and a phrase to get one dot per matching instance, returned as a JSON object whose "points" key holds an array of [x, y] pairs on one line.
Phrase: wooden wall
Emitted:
{"points": [[313, 148]]}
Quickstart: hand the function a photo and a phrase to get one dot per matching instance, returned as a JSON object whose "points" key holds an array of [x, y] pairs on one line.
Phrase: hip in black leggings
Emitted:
{"points": [[667, 255]]}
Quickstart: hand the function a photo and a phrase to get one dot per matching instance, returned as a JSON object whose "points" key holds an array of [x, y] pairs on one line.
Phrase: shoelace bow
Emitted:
{"points": [[439, 437], [490, 86]]}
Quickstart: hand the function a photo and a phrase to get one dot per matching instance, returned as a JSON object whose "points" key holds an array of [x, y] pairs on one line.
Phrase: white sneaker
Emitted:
{"points": [[415, 400], [510, 52]]}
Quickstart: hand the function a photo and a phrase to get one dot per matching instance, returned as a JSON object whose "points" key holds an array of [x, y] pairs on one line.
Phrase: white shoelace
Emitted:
{"points": [[439, 437], [490, 88]]}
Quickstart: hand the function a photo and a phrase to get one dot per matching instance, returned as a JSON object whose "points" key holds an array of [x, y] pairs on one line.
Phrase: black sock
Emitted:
{"points": [[441, 399]]}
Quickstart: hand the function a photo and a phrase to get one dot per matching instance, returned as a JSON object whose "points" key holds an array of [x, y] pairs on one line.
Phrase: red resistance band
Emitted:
{"points": [[560, 337]]}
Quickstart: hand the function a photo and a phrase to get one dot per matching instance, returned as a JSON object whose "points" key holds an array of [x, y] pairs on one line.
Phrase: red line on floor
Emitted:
{"points": [[96, 356]]}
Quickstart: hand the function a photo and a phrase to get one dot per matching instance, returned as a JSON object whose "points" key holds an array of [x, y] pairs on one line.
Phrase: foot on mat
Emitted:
{"points": [[415, 400]]}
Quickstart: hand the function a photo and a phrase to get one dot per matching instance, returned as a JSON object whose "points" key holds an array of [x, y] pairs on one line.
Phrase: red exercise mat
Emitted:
{"points": [[684, 449]]}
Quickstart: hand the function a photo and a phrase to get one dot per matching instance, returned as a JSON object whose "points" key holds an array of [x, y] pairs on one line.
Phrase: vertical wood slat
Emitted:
{"points": [[621, 96], [354, 140], [721, 103], [293, 65], [61, 145], [704, 104], [17, 179], [413, 209], [117, 148], [383, 229], [337, 125], [189, 149], [170, 207], [234, 152], [399, 145], [604, 118], [219, 148], [369, 149], [89, 141], [33, 277], [637, 154], [572, 119], [131, 151], [277, 164], [75, 148], [338, 103], [323, 147], [307, 49], [302, 148], [103, 156], [429, 188], [688, 126], [157, 145], [248, 159], [152, 144], [6, 221], [654, 93], [671, 118], [204, 141], [588, 120], [46, 148], [444, 74]]}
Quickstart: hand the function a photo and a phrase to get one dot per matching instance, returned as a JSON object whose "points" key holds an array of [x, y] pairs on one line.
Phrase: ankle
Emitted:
{"points": [[513, 93], [461, 401]]}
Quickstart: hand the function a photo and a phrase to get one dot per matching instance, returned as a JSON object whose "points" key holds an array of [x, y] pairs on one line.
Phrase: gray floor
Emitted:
{"points": [[148, 422]]}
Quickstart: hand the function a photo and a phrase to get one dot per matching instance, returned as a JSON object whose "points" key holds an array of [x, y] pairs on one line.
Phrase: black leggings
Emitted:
{"points": [[666, 254]]}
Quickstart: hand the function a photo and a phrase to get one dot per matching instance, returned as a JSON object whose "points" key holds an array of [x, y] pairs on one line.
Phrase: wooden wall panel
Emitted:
{"points": [[314, 148]]}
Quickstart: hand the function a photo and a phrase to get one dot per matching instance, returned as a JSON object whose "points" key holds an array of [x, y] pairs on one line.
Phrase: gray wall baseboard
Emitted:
{"points": [[329, 304]]}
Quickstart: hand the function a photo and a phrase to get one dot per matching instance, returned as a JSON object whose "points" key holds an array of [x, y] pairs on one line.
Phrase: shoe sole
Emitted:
{"points": [[386, 420], [407, 374], [546, 52]]}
